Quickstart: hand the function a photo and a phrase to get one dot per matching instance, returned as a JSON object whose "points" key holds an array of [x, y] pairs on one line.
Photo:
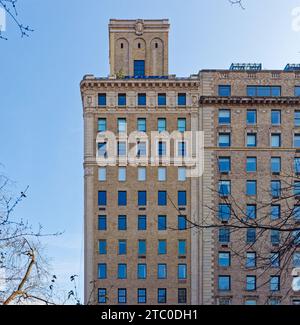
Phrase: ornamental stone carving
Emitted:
{"points": [[139, 27]]}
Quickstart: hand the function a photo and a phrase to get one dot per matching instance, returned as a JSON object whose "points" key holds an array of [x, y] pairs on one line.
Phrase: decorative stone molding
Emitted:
{"points": [[139, 27]]}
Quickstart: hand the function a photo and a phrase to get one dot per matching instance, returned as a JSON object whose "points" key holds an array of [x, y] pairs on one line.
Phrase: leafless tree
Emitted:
{"points": [[238, 3]]}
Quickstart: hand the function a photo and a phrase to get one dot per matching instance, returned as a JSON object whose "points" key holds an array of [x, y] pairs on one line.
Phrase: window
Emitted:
{"points": [[102, 271], [122, 247], [161, 271], [181, 198], [224, 212], [162, 174], [141, 125], [102, 127], [224, 116], [182, 271], [102, 99], [275, 211], [251, 164], [142, 99], [139, 67], [102, 247], [297, 165], [297, 188], [224, 235], [251, 211], [141, 174], [224, 283], [102, 198], [161, 124], [275, 189], [161, 296], [141, 149], [102, 174], [275, 237], [224, 139], [224, 164], [251, 117], [224, 188], [122, 222], [122, 198], [122, 148], [142, 296], [251, 235], [122, 271], [275, 117], [162, 247], [263, 91], [250, 302], [122, 174], [250, 260], [225, 91], [275, 165], [181, 149], [181, 222], [297, 141], [296, 213], [297, 118], [122, 296], [162, 222], [224, 259], [251, 188], [275, 260], [181, 99], [102, 152], [162, 99], [142, 247], [296, 237], [181, 124], [296, 259], [122, 100], [102, 296], [102, 225], [274, 301], [297, 91], [142, 271], [182, 296], [182, 174], [275, 283], [181, 247], [275, 140], [142, 198], [122, 125], [162, 149], [142, 222], [250, 282], [251, 140], [162, 198]]}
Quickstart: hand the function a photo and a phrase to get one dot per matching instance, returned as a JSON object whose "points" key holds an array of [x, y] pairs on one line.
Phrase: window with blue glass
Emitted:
{"points": [[102, 149], [141, 125], [141, 149], [297, 118], [162, 174], [122, 174], [122, 148], [142, 296], [251, 211], [162, 198], [297, 188], [102, 99], [275, 211], [224, 90], [251, 117], [162, 247], [275, 165], [162, 295], [162, 148], [275, 237], [142, 99], [121, 99], [122, 222], [297, 140], [181, 99], [251, 140], [181, 124], [224, 259], [296, 237], [224, 116], [224, 235], [275, 259], [275, 140], [102, 247], [162, 100], [162, 222], [142, 198], [297, 91], [224, 282], [122, 247], [250, 282], [142, 271], [181, 149], [102, 224], [139, 68], [263, 91], [182, 271], [181, 247], [142, 222], [224, 188], [224, 212], [102, 296], [102, 271], [161, 271], [224, 140], [251, 164], [182, 223], [181, 198], [297, 165], [142, 247], [161, 124], [224, 164], [102, 174], [275, 117], [250, 259], [251, 188], [101, 124], [122, 271], [122, 198], [102, 198], [122, 125], [275, 189], [296, 213], [122, 296], [274, 283], [250, 235]]}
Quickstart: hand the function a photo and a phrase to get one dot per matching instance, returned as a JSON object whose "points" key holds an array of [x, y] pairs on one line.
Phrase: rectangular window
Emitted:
{"points": [[122, 296], [250, 235], [251, 140], [297, 91], [250, 283], [102, 296], [275, 165], [142, 247], [251, 117], [162, 99], [162, 198], [263, 91], [251, 211], [162, 149], [250, 260], [102, 174], [122, 247], [296, 213], [139, 68], [141, 174], [142, 99], [162, 222], [224, 117], [224, 283], [141, 149], [122, 125], [122, 271], [275, 140], [102, 271], [181, 149], [181, 198], [122, 174], [102, 247], [102, 198], [297, 118], [102, 126], [224, 91], [296, 140], [102, 224], [102, 99], [162, 174], [182, 174], [275, 211], [224, 259], [161, 125], [121, 99], [142, 222], [224, 235], [122, 198], [182, 223], [297, 165], [181, 99], [142, 296], [275, 260], [181, 124], [275, 237], [102, 149], [224, 212], [141, 125], [275, 283], [275, 189], [182, 296], [161, 271], [275, 117], [162, 247], [142, 271], [224, 188], [251, 164], [182, 271], [224, 140], [122, 148], [297, 188], [122, 222], [224, 164], [250, 302], [296, 259], [161, 295], [142, 198], [181, 247], [251, 188]]}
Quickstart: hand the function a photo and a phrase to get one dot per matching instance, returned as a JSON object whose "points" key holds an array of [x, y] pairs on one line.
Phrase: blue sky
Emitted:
{"points": [[41, 129]]}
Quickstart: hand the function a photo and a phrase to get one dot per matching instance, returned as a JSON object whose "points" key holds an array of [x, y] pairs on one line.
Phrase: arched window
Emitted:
{"points": [[122, 45]]}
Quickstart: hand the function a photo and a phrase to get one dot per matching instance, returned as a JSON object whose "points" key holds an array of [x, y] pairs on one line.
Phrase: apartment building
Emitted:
{"points": [[153, 234]]}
